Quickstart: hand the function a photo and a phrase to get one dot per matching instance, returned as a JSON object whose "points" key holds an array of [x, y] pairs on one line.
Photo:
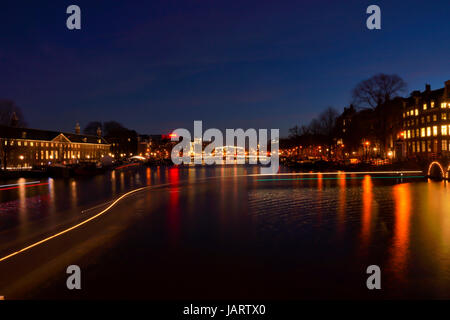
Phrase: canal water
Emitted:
{"points": [[227, 232]]}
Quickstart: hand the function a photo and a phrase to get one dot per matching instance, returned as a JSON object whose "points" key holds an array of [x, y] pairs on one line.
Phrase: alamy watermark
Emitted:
{"points": [[240, 147]]}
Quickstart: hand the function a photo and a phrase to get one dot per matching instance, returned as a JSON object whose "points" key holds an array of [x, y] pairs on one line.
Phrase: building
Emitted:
{"points": [[124, 143], [27, 148], [426, 123]]}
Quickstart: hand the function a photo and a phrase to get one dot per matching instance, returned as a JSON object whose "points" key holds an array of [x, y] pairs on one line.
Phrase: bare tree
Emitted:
{"points": [[327, 121], [378, 90], [294, 132], [8, 111]]}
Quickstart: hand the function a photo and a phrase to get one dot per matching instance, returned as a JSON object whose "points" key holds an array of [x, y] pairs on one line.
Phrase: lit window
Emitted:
{"points": [[417, 112], [435, 130], [444, 130], [409, 134], [432, 104], [424, 106], [428, 131], [444, 116], [434, 117], [443, 105], [444, 145], [422, 132], [428, 118]]}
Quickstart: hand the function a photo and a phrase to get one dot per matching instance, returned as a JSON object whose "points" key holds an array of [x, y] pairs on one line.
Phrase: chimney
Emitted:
{"points": [[99, 132], [447, 89], [427, 87], [77, 128]]}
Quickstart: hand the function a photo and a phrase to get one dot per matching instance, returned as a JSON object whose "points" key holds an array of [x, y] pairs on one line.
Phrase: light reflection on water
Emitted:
{"points": [[401, 224]]}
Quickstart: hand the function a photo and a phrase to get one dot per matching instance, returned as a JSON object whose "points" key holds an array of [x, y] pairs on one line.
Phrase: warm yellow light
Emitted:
{"points": [[428, 131], [73, 227], [21, 157]]}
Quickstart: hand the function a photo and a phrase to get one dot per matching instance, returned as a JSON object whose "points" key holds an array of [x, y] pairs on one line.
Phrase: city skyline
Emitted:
{"points": [[230, 65]]}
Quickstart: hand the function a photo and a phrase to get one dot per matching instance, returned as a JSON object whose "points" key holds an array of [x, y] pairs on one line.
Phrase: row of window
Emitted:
{"points": [[429, 118], [46, 144], [415, 111], [427, 132], [53, 154], [428, 146]]}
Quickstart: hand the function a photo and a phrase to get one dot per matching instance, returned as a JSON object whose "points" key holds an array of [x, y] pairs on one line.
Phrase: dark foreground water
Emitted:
{"points": [[225, 233]]}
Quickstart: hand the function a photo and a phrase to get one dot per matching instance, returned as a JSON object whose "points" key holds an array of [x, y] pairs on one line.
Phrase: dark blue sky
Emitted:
{"points": [[158, 65]]}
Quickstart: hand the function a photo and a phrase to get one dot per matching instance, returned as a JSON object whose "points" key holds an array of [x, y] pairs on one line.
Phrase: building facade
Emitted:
{"points": [[27, 148], [426, 123]]}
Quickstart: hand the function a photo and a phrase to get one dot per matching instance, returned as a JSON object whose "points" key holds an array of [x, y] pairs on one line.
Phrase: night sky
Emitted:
{"points": [[158, 65]]}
